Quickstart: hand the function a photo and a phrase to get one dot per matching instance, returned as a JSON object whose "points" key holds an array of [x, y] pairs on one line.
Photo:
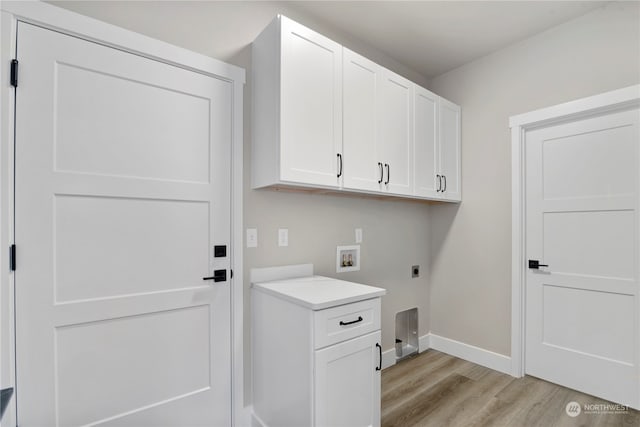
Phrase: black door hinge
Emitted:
{"points": [[14, 72], [12, 257]]}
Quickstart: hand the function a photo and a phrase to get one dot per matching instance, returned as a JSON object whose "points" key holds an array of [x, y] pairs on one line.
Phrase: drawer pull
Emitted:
{"points": [[379, 367], [359, 319]]}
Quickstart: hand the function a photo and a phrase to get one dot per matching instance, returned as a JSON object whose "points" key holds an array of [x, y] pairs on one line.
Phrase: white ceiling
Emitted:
{"points": [[432, 37], [429, 37]]}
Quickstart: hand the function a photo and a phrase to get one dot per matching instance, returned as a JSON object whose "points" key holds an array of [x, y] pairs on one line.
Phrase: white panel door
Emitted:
{"points": [[122, 190], [428, 181], [582, 221], [311, 107], [363, 166], [347, 392], [396, 132], [450, 171]]}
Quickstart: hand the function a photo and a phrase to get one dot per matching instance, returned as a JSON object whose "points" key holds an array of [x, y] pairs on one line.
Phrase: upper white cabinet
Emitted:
{"points": [[377, 127], [426, 141], [449, 143], [436, 147], [297, 108], [396, 132], [363, 166], [326, 117]]}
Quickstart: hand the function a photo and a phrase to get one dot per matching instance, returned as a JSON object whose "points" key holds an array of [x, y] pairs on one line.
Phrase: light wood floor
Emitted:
{"points": [[435, 389]]}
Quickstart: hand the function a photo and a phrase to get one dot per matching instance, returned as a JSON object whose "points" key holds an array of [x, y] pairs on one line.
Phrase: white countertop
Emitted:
{"points": [[319, 292]]}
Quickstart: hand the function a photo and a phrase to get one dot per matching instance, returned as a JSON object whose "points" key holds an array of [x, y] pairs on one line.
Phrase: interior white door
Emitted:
{"points": [[348, 384], [582, 221], [122, 191], [396, 132], [311, 105], [363, 166], [449, 129], [428, 182]]}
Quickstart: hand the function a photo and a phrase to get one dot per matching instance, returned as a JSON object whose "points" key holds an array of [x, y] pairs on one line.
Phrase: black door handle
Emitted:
{"points": [[535, 264], [439, 183], [340, 164], [359, 319], [379, 367], [381, 173], [218, 276], [386, 165], [444, 178]]}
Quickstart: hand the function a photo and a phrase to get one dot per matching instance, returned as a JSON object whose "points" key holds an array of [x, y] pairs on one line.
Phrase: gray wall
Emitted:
{"points": [[395, 232], [471, 245]]}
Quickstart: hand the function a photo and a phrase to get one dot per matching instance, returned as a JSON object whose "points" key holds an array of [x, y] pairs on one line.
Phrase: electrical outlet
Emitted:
{"points": [[252, 237], [415, 271], [283, 237], [358, 235]]}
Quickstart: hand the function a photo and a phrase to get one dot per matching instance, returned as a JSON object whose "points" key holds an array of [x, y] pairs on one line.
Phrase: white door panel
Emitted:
{"points": [[87, 140], [122, 190], [582, 220], [111, 221]]}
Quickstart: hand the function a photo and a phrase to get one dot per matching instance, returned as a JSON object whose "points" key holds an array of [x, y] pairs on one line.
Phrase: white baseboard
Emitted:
{"points": [[477, 355], [245, 418], [424, 343], [251, 419]]}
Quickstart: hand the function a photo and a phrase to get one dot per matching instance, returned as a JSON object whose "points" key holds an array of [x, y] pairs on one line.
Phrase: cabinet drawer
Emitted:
{"points": [[344, 322]]}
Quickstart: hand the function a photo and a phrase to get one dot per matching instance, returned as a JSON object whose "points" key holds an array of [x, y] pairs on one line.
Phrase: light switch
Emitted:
{"points": [[358, 235], [283, 237], [252, 237]]}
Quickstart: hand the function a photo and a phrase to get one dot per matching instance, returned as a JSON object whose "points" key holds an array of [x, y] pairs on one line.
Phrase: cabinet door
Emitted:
{"points": [[311, 106], [362, 157], [396, 132], [347, 389], [425, 158], [450, 149]]}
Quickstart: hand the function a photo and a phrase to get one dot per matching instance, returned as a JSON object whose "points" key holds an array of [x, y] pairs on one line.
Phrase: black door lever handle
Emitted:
{"points": [[535, 264], [218, 276]]}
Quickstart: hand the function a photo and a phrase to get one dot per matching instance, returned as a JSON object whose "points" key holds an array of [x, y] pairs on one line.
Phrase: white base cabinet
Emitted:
{"points": [[347, 383], [315, 367]]}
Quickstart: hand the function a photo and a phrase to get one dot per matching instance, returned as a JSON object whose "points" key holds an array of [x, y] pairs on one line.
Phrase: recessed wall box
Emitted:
{"points": [[347, 258]]}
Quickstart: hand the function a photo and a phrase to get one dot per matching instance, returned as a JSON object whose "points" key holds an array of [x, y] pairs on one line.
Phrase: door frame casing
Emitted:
{"points": [[620, 99], [66, 22]]}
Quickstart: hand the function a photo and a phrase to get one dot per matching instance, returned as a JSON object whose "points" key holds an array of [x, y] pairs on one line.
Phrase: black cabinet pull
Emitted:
{"points": [[359, 319], [439, 183], [218, 276], [340, 165], [444, 178], [381, 173], [379, 367], [386, 165]]}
